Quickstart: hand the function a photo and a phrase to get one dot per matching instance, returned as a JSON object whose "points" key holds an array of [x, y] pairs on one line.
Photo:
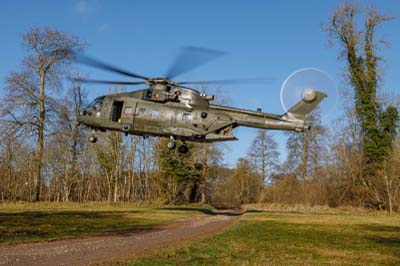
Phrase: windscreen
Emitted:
{"points": [[96, 103]]}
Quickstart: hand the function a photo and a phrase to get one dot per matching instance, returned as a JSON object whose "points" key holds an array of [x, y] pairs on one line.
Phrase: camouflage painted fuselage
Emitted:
{"points": [[186, 114]]}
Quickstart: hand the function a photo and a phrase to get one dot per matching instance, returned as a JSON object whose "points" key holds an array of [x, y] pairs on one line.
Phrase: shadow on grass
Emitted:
{"points": [[50, 225], [392, 242], [386, 235], [35, 214], [225, 212], [381, 228], [202, 210]]}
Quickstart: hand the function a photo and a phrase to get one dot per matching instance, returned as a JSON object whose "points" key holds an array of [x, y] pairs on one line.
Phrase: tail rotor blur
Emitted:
{"points": [[303, 82]]}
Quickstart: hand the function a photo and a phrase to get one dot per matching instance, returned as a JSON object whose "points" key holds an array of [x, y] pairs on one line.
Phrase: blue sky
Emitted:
{"points": [[260, 38]]}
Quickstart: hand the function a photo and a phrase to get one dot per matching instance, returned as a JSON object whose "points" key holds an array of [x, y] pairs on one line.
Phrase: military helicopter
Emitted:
{"points": [[167, 108]]}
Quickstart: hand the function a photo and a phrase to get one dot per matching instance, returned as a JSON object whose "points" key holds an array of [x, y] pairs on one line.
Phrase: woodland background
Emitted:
{"points": [[355, 161]]}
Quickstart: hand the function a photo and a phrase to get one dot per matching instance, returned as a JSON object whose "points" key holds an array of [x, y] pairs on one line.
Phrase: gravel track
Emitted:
{"points": [[85, 251]]}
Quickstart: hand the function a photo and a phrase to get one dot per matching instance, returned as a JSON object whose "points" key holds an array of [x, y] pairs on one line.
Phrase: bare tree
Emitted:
{"points": [[389, 180], [68, 138], [237, 186], [264, 157], [247, 182], [28, 103], [109, 155]]}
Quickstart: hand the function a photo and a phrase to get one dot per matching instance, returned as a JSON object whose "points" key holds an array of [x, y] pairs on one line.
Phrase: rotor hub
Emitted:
{"points": [[161, 81], [309, 95]]}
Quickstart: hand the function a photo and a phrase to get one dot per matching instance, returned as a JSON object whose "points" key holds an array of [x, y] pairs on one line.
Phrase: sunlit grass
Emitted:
{"points": [[291, 238], [28, 222]]}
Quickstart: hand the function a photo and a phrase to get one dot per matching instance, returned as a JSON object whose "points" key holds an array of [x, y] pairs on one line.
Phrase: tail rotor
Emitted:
{"points": [[303, 84]]}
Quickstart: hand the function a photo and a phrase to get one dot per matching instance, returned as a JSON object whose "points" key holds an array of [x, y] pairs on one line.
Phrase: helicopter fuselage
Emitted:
{"points": [[185, 114]]}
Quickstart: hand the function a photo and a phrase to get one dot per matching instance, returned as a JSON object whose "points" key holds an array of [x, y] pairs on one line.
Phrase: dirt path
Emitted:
{"points": [[88, 250]]}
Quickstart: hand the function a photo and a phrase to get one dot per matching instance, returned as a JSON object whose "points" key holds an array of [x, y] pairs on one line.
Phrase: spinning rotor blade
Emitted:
{"points": [[96, 81], [101, 65], [190, 58], [232, 81], [305, 80]]}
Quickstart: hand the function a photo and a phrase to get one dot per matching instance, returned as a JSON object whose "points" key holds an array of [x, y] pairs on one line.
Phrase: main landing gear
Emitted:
{"points": [[183, 149], [172, 145], [92, 137]]}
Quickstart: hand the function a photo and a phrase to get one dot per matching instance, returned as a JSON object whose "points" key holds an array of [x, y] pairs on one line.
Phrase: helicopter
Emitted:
{"points": [[168, 108]]}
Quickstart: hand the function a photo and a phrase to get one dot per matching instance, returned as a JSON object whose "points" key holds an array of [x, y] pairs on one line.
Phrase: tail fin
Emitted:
{"points": [[310, 100]]}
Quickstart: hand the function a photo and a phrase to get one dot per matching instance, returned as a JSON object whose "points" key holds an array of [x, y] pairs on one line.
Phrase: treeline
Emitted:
{"points": [[45, 155], [137, 169]]}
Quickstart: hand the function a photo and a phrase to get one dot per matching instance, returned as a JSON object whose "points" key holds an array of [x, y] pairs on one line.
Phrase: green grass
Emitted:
{"points": [[290, 238], [43, 222]]}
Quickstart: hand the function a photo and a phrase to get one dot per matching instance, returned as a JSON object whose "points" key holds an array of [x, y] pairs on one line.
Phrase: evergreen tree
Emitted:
{"points": [[178, 172]]}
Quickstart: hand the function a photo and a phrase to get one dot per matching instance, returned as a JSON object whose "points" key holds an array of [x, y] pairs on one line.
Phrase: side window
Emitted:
{"points": [[141, 111], [128, 110], [154, 113], [186, 117]]}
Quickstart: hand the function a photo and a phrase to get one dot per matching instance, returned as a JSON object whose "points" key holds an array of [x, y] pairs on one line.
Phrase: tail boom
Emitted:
{"points": [[293, 119]]}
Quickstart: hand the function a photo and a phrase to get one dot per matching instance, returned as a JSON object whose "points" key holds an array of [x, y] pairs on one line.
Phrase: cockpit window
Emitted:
{"points": [[148, 94], [96, 104]]}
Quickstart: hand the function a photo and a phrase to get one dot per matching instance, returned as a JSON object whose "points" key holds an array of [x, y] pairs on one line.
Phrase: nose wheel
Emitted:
{"points": [[93, 139]]}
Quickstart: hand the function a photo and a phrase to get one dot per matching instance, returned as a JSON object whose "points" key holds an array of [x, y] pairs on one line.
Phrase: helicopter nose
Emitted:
{"points": [[80, 115], [83, 116], [83, 112]]}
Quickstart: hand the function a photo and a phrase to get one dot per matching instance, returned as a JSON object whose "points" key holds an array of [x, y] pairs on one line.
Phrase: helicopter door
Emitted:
{"points": [[116, 111]]}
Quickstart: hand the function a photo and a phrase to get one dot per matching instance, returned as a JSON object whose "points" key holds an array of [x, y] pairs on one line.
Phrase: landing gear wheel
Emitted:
{"points": [[93, 139], [171, 145], [183, 149]]}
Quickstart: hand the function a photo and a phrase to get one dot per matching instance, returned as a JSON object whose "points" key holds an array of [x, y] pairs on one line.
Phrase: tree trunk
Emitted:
{"points": [[40, 140], [305, 156], [115, 188], [389, 195]]}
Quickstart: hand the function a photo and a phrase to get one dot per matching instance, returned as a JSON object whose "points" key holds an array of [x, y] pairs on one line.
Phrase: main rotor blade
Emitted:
{"points": [[101, 65], [231, 81], [96, 81], [190, 58]]}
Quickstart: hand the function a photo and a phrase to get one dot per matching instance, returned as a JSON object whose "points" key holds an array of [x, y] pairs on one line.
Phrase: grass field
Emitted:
{"points": [[38, 222], [305, 237], [290, 238]]}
